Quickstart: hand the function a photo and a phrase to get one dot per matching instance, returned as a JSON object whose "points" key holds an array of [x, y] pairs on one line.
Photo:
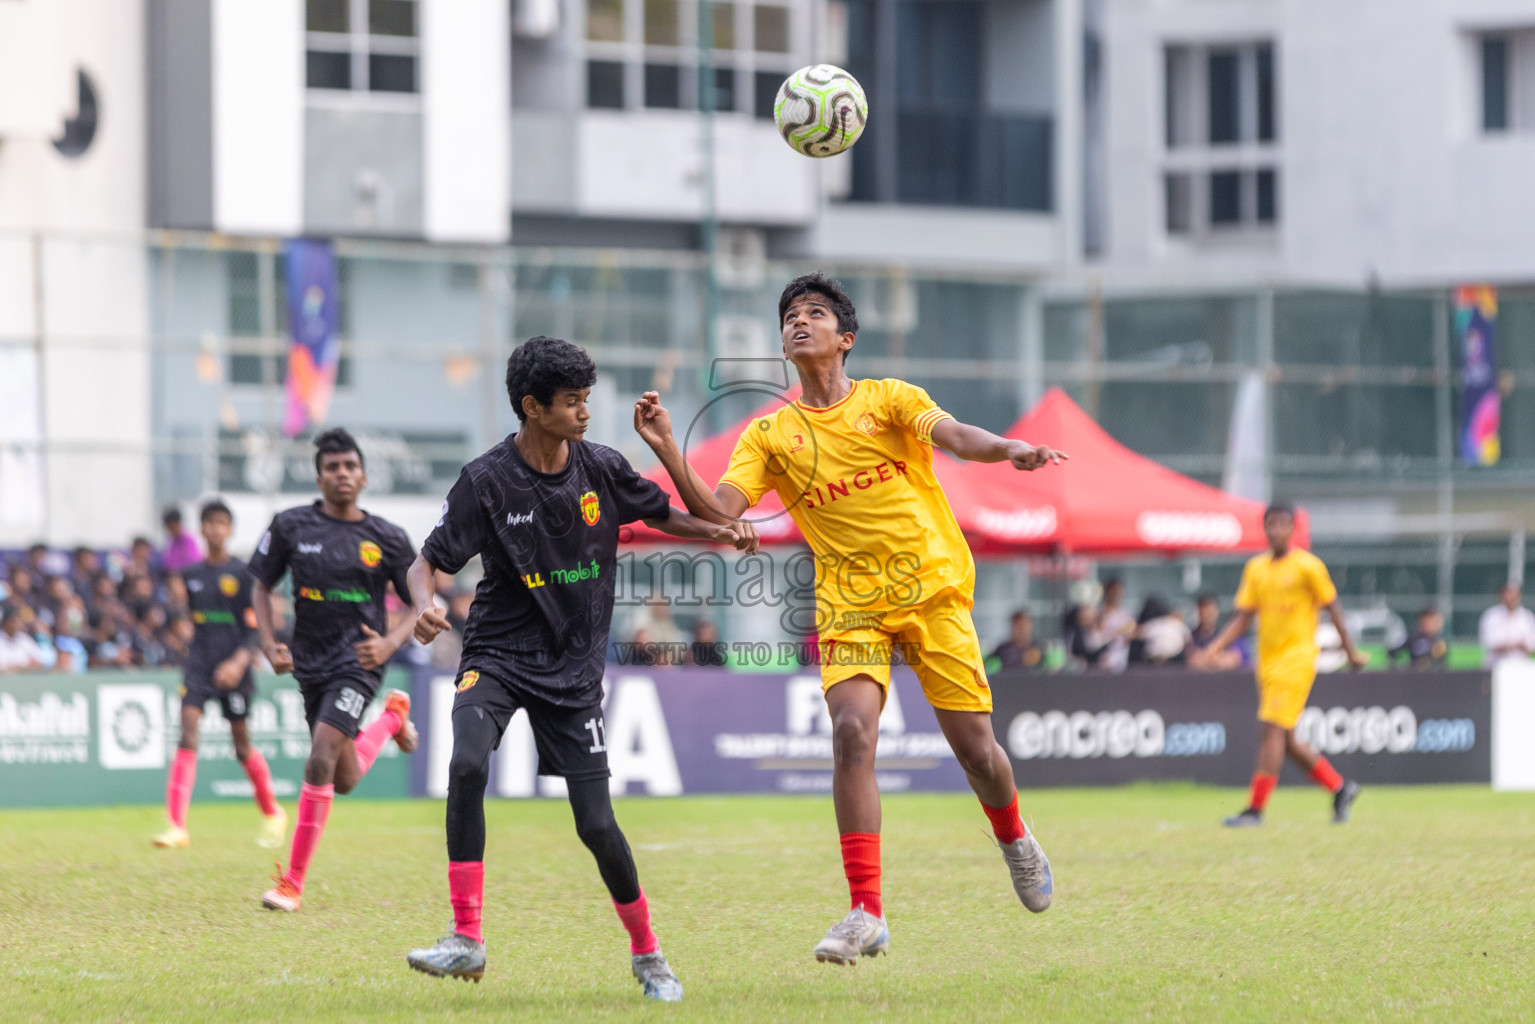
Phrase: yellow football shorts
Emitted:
{"points": [[1282, 696], [937, 638]]}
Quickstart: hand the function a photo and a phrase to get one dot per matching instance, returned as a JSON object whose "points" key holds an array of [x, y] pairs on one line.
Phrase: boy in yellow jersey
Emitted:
{"points": [[1285, 588], [852, 461]]}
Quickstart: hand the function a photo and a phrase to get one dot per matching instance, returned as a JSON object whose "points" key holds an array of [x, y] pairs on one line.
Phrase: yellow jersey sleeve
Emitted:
{"points": [[1320, 582], [748, 469], [1247, 592], [911, 408]]}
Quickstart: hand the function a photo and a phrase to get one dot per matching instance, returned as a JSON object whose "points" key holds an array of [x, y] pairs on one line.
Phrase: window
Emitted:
{"points": [[1220, 129], [361, 46], [1495, 83], [653, 45]]}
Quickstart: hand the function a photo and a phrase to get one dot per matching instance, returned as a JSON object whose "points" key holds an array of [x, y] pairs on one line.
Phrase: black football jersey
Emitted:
{"points": [[340, 569], [549, 545], [219, 600]]}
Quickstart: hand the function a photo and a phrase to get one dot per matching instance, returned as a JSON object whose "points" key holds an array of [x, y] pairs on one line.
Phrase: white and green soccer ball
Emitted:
{"points": [[820, 110]]}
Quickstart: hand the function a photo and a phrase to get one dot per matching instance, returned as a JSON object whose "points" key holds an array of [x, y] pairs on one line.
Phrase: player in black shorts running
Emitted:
{"points": [[218, 667], [543, 510], [341, 559]]}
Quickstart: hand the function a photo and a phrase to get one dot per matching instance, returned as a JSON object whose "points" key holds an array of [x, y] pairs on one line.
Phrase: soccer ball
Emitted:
{"points": [[820, 110]]}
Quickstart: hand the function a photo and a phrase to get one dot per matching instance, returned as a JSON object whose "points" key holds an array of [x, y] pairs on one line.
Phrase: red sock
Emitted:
{"points": [[178, 786], [372, 739], [1005, 821], [261, 777], [636, 919], [313, 808], [1326, 776], [1263, 785], [860, 861], [466, 891]]}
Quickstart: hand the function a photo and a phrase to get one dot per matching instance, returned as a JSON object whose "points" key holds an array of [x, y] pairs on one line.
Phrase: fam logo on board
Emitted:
{"points": [[131, 724]]}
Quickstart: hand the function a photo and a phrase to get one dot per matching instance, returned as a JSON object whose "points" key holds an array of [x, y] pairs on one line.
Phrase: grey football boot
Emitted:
{"points": [[454, 956], [1030, 868], [860, 933], [656, 977]]}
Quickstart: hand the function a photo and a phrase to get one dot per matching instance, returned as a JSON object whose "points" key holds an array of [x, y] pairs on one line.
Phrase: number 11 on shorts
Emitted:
{"points": [[599, 744]]}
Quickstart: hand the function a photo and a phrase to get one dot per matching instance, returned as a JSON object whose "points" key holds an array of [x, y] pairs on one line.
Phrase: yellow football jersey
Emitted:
{"points": [[1286, 594], [858, 480]]}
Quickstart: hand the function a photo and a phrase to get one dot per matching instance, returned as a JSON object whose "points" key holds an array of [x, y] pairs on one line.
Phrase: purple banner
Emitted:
{"points": [[681, 730], [314, 351], [1476, 316]]}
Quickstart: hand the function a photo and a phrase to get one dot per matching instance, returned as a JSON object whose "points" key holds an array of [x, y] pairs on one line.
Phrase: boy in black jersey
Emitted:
{"points": [[341, 559], [543, 510], [218, 667]]}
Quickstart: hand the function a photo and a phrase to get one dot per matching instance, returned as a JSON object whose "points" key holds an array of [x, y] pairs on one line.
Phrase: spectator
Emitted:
{"points": [[1161, 637], [177, 638], [1207, 626], [1084, 642], [1507, 629], [84, 569], [1019, 649], [103, 600], [23, 587], [1425, 647], [642, 648], [18, 650], [705, 651], [141, 558], [181, 548], [1116, 626], [37, 563]]}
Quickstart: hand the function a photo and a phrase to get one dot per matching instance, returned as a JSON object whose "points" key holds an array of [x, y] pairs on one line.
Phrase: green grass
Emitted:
{"points": [[1422, 909]]}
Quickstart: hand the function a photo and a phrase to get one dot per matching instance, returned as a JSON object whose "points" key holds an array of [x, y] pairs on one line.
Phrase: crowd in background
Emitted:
{"points": [[69, 611]]}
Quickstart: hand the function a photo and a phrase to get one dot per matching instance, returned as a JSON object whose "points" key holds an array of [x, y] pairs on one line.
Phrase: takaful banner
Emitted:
{"points": [[107, 739], [1385, 727], [314, 352]]}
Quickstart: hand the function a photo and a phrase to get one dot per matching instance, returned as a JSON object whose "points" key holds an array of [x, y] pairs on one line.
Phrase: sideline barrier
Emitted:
{"points": [[106, 738], [1376, 727]]}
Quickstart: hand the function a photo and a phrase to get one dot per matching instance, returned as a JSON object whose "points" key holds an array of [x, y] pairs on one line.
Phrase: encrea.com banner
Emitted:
{"points": [[1380, 727]]}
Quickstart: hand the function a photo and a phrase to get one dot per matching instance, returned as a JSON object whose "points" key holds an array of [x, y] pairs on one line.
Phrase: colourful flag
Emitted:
{"points": [[1476, 315], [314, 350]]}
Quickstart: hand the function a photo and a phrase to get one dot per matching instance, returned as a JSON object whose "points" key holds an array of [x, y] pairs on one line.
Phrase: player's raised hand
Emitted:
{"points": [[228, 674], [431, 623], [280, 657], [1028, 456], [1358, 659], [373, 651], [651, 420]]}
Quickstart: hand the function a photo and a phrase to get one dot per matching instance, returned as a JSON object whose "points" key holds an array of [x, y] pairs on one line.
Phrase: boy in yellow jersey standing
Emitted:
{"points": [[1284, 588], [852, 461]]}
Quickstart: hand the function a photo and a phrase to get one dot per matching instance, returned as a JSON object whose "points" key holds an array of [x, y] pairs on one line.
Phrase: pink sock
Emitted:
{"points": [[372, 739], [466, 891], [313, 808], [261, 777], [178, 786], [636, 919]]}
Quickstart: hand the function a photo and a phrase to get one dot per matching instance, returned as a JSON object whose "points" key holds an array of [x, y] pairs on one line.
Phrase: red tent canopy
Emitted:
{"points": [[1107, 500], [710, 458]]}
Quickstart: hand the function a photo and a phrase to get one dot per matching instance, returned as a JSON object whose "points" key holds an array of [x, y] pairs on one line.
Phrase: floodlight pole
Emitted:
{"points": [[708, 227]]}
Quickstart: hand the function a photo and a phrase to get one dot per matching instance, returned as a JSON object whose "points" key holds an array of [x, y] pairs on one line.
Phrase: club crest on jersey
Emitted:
{"points": [[590, 510], [467, 680], [370, 553], [867, 424], [228, 585]]}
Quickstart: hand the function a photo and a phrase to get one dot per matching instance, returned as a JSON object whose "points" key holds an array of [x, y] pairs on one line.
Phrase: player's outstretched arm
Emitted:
{"points": [[690, 527], [1356, 658], [724, 505], [974, 444], [430, 620], [278, 654]]}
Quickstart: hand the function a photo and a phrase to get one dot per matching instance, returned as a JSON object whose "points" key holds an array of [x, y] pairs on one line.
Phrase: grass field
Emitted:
{"points": [[1422, 909]]}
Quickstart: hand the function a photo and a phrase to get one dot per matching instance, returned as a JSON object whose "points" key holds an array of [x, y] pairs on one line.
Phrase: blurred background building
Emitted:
{"points": [[1230, 230]]}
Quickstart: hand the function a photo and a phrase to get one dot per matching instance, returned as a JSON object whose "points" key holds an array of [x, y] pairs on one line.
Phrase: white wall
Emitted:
{"points": [[466, 103], [1383, 169], [258, 116], [90, 388]]}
